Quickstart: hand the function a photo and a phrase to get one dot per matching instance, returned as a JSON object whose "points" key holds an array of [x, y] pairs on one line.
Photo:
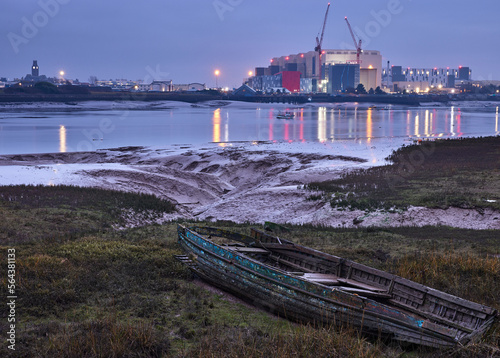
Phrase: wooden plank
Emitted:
{"points": [[369, 270], [451, 305], [290, 264], [411, 296], [362, 292], [450, 332], [361, 285], [433, 317], [247, 250], [406, 296], [323, 278]]}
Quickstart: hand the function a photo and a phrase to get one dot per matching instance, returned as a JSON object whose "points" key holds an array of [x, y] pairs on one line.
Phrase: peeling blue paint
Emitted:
{"points": [[302, 298]]}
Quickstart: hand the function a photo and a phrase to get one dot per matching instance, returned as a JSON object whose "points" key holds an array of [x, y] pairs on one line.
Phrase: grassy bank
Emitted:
{"points": [[38, 212], [85, 289], [461, 173]]}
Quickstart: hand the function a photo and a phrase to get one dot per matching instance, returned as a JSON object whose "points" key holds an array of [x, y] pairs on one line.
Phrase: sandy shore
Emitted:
{"points": [[242, 182]]}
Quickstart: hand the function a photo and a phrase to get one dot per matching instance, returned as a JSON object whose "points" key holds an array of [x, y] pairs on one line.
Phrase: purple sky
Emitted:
{"points": [[186, 40]]}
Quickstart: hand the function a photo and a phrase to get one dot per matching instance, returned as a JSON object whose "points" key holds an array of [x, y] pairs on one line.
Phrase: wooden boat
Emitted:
{"points": [[310, 286]]}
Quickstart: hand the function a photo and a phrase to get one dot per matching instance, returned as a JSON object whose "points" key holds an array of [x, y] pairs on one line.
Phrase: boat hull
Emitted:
{"points": [[301, 300]]}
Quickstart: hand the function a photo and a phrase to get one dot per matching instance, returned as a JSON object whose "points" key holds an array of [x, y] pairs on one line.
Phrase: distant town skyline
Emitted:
{"points": [[188, 41]]}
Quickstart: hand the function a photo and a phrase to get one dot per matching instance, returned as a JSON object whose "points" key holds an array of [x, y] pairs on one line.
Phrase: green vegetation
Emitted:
{"points": [[46, 87], [440, 174], [38, 212], [86, 289]]}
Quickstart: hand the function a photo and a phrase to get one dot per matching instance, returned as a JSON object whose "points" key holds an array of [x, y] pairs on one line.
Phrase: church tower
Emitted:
{"points": [[34, 69]]}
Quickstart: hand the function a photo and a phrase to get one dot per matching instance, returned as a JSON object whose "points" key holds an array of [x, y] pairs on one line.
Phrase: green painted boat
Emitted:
{"points": [[307, 285]]}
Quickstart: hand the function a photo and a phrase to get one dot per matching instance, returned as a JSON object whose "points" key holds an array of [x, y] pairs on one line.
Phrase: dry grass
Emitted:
{"points": [[460, 173], [114, 293]]}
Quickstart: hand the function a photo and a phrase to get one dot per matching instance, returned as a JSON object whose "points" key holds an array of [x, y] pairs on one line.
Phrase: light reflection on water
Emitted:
{"points": [[62, 139], [78, 131], [496, 123]]}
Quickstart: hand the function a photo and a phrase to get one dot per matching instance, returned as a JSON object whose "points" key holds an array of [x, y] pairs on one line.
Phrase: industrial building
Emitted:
{"points": [[169, 86], [397, 78], [299, 72], [321, 70]]}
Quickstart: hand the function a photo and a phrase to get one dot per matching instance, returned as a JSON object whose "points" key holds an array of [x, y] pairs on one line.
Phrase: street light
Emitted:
{"points": [[217, 73], [250, 73]]}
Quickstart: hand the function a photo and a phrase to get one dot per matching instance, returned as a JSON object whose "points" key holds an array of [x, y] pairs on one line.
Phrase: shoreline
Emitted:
{"points": [[209, 95], [242, 183], [167, 104]]}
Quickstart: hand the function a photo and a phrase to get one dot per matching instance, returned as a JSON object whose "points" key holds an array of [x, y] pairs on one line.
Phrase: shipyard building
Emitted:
{"points": [[339, 71], [398, 79]]}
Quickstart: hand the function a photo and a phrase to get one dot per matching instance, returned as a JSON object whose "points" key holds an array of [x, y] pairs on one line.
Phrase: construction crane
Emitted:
{"points": [[357, 44], [319, 42]]}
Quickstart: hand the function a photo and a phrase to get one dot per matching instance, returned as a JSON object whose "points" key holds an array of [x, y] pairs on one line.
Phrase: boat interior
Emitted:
{"points": [[341, 274]]}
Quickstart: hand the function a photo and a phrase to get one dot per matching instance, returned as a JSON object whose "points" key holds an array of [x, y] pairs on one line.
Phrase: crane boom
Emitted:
{"points": [[357, 45], [319, 38], [352, 33], [324, 25], [319, 43]]}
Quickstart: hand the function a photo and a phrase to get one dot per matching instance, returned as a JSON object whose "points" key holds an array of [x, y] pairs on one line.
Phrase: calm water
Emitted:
{"points": [[46, 132]]}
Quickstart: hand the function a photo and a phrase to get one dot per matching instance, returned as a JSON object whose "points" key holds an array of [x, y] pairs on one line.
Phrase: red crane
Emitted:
{"points": [[357, 44], [319, 43]]}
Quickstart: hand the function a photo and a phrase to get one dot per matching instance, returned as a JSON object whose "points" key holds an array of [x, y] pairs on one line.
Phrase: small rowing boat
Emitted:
{"points": [[311, 286]]}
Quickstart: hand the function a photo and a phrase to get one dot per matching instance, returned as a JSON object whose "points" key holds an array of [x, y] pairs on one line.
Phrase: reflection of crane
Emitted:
{"points": [[357, 45], [319, 42]]}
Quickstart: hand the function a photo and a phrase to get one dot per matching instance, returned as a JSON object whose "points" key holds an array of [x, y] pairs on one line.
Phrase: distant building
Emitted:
{"points": [[464, 73], [245, 91], [341, 77], [118, 84], [306, 85], [161, 86], [369, 69], [34, 69], [143, 87], [286, 79], [31, 79], [190, 87], [424, 79]]}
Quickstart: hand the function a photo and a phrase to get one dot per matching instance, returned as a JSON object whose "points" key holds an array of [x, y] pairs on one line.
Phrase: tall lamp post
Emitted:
{"points": [[217, 73]]}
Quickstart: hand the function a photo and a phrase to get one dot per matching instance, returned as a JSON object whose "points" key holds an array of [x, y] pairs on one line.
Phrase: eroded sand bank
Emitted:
{"points": [[242, 182]]}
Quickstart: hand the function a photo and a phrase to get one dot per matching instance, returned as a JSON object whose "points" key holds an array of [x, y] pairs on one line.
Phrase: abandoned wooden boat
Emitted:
{"points": [[310, 286]]}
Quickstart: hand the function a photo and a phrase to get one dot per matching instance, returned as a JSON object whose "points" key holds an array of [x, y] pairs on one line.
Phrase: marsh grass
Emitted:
{"points": [[466, 275], [121, 293], [36, 212], [293, 341], [461, 173]]}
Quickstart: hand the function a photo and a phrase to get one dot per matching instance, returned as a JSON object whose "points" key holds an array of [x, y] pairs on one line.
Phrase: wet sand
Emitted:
{"points": [[241, 182]]}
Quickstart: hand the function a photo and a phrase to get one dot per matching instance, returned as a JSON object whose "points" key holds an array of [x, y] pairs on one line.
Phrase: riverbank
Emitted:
{"points": [[251, 182], [82, 285], [212, 95], [93, 266], [111, 96]]}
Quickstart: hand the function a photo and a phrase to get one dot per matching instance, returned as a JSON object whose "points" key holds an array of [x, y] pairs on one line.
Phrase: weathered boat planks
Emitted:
{"points": [[311, 286]]}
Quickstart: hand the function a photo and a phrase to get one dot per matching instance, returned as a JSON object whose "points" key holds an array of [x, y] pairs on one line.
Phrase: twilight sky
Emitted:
{"points": [[186, 40]]}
